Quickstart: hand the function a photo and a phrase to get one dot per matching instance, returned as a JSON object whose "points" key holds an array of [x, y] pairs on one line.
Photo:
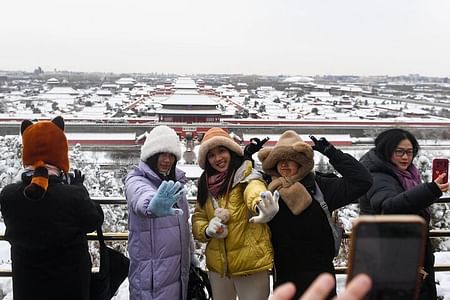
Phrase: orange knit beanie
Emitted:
{"points": [[216, 137]]}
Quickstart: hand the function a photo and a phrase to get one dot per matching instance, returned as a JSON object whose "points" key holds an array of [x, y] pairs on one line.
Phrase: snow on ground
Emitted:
{"points": [[443, 278]]}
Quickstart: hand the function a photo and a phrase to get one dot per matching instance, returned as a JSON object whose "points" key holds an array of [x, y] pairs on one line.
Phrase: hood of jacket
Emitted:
{"points": [[374, 164]]}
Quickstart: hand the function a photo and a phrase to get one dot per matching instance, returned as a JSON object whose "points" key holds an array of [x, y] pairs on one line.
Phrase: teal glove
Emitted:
{"points": [[166, 196]]}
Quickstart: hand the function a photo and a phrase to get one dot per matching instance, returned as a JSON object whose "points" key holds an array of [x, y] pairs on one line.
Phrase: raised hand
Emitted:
{"points": [[322, 286], [254, 146], [267, 207], [443, 186], [168, 193], [76, 178], [322, 145]]}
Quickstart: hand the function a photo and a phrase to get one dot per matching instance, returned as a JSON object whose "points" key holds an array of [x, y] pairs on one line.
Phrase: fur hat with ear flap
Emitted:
{"points": [[43, 143], [161, 139], [289, 147], [216, 137]]}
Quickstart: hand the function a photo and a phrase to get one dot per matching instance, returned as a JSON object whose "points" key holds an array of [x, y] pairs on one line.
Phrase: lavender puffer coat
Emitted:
{"points": [[159, 247]]}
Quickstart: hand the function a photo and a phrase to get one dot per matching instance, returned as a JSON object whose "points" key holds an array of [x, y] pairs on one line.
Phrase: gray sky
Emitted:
{"points": [[292, 37]]}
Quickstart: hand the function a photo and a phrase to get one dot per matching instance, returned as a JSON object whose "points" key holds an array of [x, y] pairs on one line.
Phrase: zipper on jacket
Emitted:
{"points": [[225, 261], [215, 205]]}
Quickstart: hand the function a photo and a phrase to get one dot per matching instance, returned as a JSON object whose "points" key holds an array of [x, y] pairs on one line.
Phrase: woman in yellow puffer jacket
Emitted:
{"points": [[230, 217]]}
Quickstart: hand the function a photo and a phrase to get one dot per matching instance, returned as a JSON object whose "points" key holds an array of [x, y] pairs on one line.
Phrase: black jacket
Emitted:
{"points": [[304, 244], [387, 196], [49, 249]]}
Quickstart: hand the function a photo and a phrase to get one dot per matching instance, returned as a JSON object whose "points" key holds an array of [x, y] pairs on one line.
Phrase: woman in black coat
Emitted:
{"points": [[301, 234], [397, 188], [47, 219]]}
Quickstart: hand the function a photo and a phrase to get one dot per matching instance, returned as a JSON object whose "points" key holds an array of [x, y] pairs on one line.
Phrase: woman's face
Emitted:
{"points": [[219, 158], [165, 162], [403, 154], [287, 168]]}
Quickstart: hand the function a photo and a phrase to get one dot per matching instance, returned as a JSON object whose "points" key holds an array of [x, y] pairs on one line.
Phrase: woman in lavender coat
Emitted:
{"points": [[159, 236]]}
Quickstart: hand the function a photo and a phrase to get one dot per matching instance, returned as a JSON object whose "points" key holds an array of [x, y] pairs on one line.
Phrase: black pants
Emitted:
{"points": [[428, 288]]}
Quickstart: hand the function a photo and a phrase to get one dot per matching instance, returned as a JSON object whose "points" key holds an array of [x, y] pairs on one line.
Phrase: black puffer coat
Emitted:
{"points": [[304, 244], [387, 196], [49, 249]]}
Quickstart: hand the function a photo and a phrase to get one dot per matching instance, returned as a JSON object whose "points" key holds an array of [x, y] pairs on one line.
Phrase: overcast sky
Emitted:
{"points": [[292, 37]]}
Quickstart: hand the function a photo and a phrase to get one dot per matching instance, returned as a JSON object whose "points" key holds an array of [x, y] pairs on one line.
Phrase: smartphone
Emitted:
{"points": [[440, 165], [390, 249]]}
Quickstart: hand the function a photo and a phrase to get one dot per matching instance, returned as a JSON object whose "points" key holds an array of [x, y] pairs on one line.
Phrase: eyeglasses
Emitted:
{"points": [[400, 152]]}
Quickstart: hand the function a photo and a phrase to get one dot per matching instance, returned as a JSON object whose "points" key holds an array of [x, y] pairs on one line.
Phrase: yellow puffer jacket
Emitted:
{"points": [[247, 248]]}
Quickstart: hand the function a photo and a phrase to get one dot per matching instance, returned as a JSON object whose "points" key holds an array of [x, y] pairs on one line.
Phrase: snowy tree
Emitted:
{"points": [[323, 166], [424, 166], [10, 165]]}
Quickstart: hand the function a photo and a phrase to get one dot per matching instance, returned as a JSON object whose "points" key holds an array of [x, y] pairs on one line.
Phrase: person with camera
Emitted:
{"points": [[398, 189], [47, 219], [302, 236]]}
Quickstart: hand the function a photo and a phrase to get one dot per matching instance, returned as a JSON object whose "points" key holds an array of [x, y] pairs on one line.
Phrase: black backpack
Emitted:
{"points": [[199, 287]]}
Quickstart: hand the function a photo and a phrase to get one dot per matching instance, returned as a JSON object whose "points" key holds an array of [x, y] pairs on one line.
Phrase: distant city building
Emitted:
{"points": [[188, 106], [110, 86], [126, 82], [52, 82], [104, 93], [164, 89]]}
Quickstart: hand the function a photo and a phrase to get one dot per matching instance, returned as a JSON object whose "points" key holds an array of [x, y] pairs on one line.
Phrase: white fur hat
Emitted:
{"points": [[161, 139]]}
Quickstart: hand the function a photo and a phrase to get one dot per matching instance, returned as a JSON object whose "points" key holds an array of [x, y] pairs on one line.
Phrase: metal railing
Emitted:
{"points": [[123, 236]]}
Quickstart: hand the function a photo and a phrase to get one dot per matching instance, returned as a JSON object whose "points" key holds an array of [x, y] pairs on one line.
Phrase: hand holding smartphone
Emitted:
{"points": [[390, 249], [440, 165]]}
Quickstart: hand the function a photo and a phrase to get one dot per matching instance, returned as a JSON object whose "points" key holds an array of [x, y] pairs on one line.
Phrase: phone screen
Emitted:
{"points": [[390, 253], [440, 165]]}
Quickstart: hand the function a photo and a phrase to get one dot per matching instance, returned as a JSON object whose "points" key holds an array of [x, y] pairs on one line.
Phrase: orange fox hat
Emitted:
{"points": [[44, 143]]}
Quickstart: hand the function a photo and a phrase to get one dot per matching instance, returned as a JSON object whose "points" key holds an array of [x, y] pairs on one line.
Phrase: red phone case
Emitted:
{"points": [[440, 165]]}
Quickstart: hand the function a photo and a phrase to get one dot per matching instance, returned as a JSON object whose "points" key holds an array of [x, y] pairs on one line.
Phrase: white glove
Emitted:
{"points": [[267, 207], [215, 228]]}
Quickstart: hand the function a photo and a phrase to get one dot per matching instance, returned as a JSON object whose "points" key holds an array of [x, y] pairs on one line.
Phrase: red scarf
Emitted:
{"points": [[215, 183]]}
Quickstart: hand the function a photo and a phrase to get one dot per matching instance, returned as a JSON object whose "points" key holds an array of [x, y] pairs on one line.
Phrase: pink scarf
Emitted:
{"points": [[215, 183]]}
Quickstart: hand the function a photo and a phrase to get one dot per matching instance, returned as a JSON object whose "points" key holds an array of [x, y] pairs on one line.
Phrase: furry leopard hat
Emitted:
{"points": [[44, 145]]}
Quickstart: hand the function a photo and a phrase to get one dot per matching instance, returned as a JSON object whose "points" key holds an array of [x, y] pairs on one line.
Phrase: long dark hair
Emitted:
{"points": [[202, 194], [152, 162], [387, 141]]}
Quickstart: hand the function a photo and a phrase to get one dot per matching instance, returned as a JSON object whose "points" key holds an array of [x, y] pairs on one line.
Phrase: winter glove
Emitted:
{"points": [[215, 228], [322, 145], [76, 178], [267, 207], [166, 196], [254, 146]]}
